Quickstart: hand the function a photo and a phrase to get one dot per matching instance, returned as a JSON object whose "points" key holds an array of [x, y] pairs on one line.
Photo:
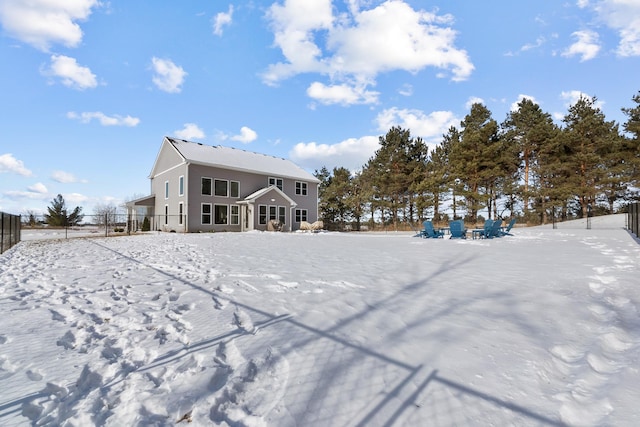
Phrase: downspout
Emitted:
{"points": [[186, 210]]}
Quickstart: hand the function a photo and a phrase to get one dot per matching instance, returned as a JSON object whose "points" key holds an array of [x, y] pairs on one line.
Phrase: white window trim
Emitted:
{"points": [[211, 186], [180, 212], [166, 190], [181, 185], [238, 195], [303, 188], [226, 181], [234, 215], [215, 205], [166, 214], [299, 213], [202, 214], [276, 180], [266, 214]]}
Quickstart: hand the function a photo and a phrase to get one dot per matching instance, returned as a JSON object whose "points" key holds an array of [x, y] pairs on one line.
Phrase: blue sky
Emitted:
{"points": [[89, 88]]}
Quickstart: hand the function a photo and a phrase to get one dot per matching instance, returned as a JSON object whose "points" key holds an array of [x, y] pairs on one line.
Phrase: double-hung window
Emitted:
{"points": [[235, 215], [234, 189], [181, 186], [206, 213], [282, 214], [262, 214], [276, 181], [301, 215], [301, 188]]}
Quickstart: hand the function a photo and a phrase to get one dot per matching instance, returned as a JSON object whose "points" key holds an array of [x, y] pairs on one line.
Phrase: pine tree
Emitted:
{"points": [[59, 217]]}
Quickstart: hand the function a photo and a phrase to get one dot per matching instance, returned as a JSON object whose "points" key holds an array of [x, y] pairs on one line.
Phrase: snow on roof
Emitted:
{"points": [[236, 159]]}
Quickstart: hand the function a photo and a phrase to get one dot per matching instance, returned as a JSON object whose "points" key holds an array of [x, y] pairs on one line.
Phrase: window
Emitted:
{"points": [[166, 189], [276, 181], [282, 214], [262, 214], [181, 186], [220, 214], [206, 186], [166, 214], [301, 215], [180, 212], [221, 187], [301, 188], [272, 213], [234, 189], [206, 213], [235, 215]]}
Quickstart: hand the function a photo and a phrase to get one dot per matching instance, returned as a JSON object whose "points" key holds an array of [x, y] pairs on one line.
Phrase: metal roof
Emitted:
{"points": [[241, 160]]}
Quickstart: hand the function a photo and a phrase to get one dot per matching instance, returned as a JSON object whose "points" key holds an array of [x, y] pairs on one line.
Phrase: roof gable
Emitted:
{"points": [[264, 191], [241, 160], [167, 158]]}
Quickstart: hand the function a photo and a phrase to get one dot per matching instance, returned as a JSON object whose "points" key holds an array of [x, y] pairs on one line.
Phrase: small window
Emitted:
{"points": [[282, 214], [221, 187], [180, 212], [181, 186], [220, 214], [206, 186], [301, 215], [166, 189], [273, 212], [166, 214], [276, 181], [301, 188], [234, 189], [206, 213], [262, 214], [235, 215]]}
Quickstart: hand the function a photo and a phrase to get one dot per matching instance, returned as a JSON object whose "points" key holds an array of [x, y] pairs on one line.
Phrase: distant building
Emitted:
{"points": [[198, 188]]}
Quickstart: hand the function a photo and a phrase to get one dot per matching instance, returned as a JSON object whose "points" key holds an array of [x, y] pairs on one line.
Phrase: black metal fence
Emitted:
{"points": [[10, 234], [35, 227], [633, 219]]}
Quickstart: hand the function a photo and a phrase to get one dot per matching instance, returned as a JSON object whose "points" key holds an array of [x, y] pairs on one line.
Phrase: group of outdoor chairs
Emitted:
{"points": [[457, 230]]}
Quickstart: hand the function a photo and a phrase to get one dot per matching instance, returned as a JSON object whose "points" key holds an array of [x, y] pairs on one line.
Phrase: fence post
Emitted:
{"points": [[2, 232]]}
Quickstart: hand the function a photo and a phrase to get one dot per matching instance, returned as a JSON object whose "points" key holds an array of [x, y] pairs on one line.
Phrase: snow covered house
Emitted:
{"points": [[197, 188]]}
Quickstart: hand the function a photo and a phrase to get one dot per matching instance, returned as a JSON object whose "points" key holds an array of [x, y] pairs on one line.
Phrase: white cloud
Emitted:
{"points": [[351, 153], [473, 100], [343, 94], [406, 90], [430, 126], [72, 74], [38, 188], [222, 20], [246, 135], [313, 40], [42, 23], [9, 164], [190, 131], [63, 177], [104, 120], [587, 45], [514, 105], [571, 97], [168, 76], [622, 16], [72, 199]]}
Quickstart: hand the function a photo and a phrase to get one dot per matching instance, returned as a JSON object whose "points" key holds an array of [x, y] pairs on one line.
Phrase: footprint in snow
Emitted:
{"points": [[243, 321]]}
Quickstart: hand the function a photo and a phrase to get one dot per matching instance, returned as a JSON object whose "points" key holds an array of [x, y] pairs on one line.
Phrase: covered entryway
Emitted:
{"points": [[268, 209]]}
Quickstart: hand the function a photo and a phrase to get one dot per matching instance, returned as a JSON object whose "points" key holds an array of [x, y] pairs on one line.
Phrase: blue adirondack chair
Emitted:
{"points": [[457, 229], [496, 229], [483, 232], [504, 231], [429, 232]]}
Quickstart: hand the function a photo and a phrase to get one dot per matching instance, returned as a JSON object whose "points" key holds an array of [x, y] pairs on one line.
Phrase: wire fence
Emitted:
{"points": [[36, 227], [10, 234]]}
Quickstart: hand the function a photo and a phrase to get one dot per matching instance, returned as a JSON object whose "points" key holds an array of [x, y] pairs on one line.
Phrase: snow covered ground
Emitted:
{"points": [[538, 328]]}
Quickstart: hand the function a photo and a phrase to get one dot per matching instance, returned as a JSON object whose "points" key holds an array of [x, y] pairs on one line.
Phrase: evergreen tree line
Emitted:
{"points": [[526, 167]]}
